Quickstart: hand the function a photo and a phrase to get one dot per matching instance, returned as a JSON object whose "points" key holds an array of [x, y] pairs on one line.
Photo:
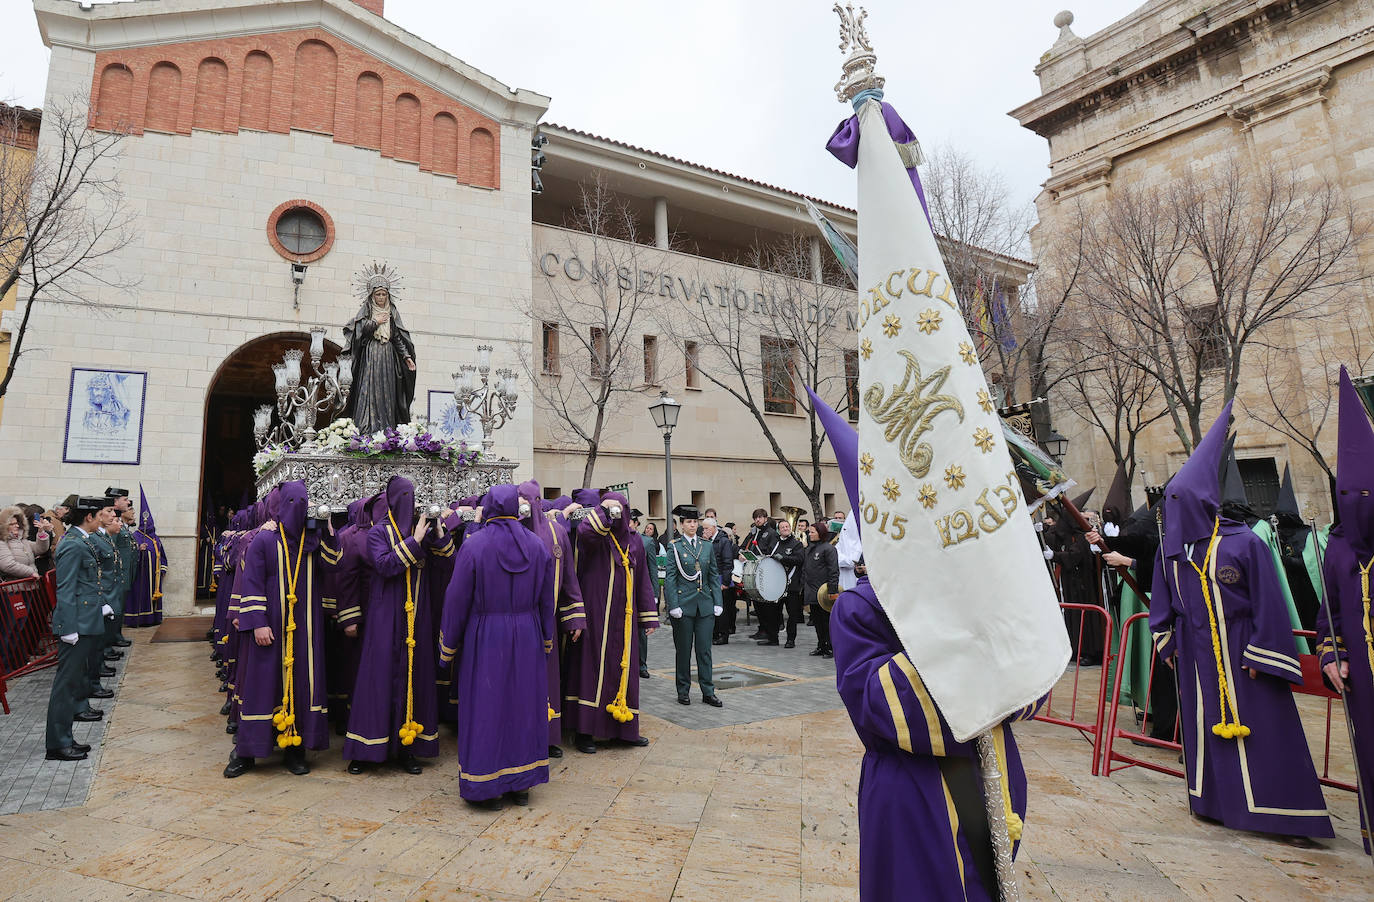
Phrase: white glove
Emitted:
{"points": [[1111, 530], [107, 610], [718, 609], [1049, 555], [1094, 549], [1039, 527], [675, 613], [70, 638]]}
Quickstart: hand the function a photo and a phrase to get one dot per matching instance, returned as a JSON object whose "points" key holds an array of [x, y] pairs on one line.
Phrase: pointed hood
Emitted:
{"points": [[400, 504], [1233, 486], [1117, 505], [531, 494], [845, 440], [1192, 498], [587, 497], [1355, 470], [145, 516], [293, 506], [620, 526], [1287, 502], [1082, 500], [503, 533]]}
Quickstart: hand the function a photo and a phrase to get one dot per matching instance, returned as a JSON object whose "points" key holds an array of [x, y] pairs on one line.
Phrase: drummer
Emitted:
{"points": [[691, 592]]}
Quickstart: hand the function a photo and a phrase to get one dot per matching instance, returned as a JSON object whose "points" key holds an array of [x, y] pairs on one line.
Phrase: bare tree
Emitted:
{"points": [[773, 332], [595, 316], [62, 215], [1201, 270], [1300, 384]]}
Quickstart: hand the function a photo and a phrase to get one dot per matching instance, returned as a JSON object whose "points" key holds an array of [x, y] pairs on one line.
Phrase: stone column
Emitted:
{"points": [[815, 244], [661, 222]]}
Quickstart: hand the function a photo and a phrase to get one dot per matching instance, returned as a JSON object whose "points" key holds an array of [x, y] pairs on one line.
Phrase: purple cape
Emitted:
{"points": [[143, 607], [594, 664], [498, 628]]}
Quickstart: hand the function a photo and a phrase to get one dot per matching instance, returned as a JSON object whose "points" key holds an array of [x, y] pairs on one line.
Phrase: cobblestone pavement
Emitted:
{"points": [[749, 811]]}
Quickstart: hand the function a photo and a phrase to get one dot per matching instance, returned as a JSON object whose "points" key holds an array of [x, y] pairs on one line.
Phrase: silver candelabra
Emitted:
{"points": [[493, 402], [303, 396]]}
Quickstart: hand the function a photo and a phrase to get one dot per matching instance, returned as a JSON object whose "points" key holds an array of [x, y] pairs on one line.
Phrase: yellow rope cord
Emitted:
{"points": [[284, 718], [410, 729], [618, 708], [1015, 826], [1225, 729], [157, 573], [1368, 623]]}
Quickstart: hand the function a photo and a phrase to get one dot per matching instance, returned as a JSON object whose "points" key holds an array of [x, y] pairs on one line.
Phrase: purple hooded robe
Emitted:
{"points": [[388, 674], [1212, 571], [498, 629], [280, 563], [1343, 623], [614, 578], [348, 586], [567, 593], [143, 606]]}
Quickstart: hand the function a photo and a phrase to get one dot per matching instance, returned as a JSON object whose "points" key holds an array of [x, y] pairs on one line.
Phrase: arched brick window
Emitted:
{"points": [[212, 84], [367, 106], [255, 109], [164, 98], [115, 98], [482, 153], [446, 144], [317, 70], [407, 128]]}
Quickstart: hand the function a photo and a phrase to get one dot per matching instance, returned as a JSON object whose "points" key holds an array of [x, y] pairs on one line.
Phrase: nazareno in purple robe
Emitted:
{"points": [[1343, 621], [348, 586], [143, 606], [610, 584], [277, 560], [1263, 780], [571, 614], [911, 834], [387, 674], [498, 629]]}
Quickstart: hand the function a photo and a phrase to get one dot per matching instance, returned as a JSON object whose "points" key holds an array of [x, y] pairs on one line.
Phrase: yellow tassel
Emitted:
{"points": [[619, 708], [1225, 729], [1014, 826]]}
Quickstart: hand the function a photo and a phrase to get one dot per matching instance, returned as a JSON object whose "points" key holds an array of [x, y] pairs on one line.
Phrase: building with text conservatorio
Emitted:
{"points": [[274, 148]]}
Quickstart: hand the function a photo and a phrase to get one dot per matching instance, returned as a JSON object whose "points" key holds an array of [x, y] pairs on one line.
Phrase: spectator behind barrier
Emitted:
{"points": [[17, 553]]}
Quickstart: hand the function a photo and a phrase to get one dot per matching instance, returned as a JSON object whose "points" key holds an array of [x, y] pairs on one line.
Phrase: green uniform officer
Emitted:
{"points": [[691, 592], [127, 546], [111, 589], [84, 562]]}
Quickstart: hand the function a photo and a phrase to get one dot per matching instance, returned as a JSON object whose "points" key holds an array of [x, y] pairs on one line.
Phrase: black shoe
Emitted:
{"points": [[232, 727], [790, 643], [122, 642], [224, 686], [67, 754], [411, 765], [294, 760], [81, 747], [495, 804], [817, 651], [225, 708], [584, 744], [758, 635], [108, 671], [357, 767], [639, 743], [683, 700], [643, 673], [767, 642], [90, 716], [720, 640], [112, 655], [827, 654], [237, 766], [713, 701], [521, 797], [555, 751]]}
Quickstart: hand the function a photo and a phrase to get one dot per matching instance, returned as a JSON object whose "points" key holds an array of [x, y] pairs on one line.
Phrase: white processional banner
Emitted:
{"points": [[949, 544]]}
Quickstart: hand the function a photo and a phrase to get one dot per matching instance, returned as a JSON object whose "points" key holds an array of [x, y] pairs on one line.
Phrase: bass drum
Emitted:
{"points": [[765, 579]]}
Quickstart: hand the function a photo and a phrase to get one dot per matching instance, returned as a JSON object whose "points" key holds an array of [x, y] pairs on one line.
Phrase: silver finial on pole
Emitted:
{"points": [[859, 68]]}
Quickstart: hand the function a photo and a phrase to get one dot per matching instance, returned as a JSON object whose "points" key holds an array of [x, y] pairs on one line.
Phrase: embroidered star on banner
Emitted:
{"points": [[891, 489], [983, 439], [929, 321], [954, 476], [927, 496], [984, 400], [892, 325], [866, 348], [967, 354], [866, 463]]}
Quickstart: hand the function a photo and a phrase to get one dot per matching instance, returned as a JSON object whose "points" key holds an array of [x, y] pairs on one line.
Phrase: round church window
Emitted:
{"points": [[300, 231]]}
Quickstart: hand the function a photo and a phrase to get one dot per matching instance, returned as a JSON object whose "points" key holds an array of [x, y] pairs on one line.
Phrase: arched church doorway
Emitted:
{"points": [[243, 382]]}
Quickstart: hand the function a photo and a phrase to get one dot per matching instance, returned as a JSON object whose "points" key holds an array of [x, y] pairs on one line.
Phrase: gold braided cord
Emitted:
{"points": [[157, 572], [1225, 729], [1368, 622], [284, 718], [410, 729], [618, 708]]}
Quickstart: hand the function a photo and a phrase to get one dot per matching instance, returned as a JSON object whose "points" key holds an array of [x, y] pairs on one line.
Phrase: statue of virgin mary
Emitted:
{"points": [[383, 355]]}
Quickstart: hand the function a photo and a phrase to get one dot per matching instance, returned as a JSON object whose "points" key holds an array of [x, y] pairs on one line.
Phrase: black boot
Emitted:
{"points": [[238, 766], [520, 797], [225, 708], [555, 751], [584, 743], [410, 764], [294, 761]]}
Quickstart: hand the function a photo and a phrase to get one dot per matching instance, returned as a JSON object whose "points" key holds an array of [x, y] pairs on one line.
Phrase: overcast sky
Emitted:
{"points": [[745, 86]]}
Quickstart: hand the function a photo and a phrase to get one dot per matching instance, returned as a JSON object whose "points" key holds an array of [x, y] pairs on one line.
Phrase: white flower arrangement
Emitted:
{"points": [[414, 438]]}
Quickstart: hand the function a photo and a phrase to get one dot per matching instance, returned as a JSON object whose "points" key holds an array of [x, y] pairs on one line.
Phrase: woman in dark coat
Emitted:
{"points": [[1078, 583], [383, 361], [820, 567]]}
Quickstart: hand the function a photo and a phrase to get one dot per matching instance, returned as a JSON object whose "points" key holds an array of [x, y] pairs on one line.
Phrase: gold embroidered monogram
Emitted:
{"points": [[907, 412]]}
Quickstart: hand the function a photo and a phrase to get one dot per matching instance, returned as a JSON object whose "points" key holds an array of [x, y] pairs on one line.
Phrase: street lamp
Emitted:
{"points": [[665, 413], [1056, 445]]}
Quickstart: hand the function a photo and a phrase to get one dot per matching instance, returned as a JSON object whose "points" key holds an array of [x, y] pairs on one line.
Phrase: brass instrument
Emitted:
{"points": [[792, 514], [824, 598]]}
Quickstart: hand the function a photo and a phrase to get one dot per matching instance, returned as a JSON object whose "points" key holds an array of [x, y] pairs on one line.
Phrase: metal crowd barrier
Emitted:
{"points": [[1312, 684], [1092, 728], [26, 640]]}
